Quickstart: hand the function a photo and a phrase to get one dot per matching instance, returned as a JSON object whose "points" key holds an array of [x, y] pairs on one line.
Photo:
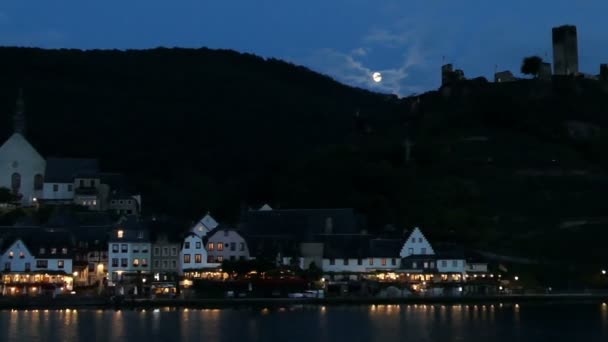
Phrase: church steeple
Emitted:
{"points": [[19, 117]]}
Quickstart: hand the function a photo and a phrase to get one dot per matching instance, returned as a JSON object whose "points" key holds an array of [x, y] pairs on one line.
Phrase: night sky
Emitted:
{"points": [[406, 40]]}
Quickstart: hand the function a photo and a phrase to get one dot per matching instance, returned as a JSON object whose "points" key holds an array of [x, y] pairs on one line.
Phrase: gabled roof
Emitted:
{"points": [[133, 230], [35, 240], [17, 144], [385, 248], [301, 224], [63, 170]]}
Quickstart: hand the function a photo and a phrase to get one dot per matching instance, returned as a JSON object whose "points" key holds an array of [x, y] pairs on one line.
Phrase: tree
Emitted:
{"points": [[531, 65], [6, 196]]}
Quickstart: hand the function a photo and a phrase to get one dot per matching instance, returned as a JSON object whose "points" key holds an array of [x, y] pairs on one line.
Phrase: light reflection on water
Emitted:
{"points": [[473, 322]]}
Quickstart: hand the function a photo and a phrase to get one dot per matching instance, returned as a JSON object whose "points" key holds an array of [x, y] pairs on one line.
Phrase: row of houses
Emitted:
{"points": [[89, 249]]}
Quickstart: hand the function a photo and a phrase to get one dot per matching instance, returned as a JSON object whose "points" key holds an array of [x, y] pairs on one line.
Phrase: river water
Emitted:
{"points": [[498, 322]]}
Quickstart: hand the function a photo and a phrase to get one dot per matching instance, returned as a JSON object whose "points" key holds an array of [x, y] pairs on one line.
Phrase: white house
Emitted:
{"points": [[204, 226], [193, 256], [60, 174], [225, 243], [44, 260], [416, 244], [129, 254]]}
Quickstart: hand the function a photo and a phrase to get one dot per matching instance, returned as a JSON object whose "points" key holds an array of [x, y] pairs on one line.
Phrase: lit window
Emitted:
{"points": [[120, 234], [220, 246], [59, 263], [426, 264], [414, 265], [198, 258], [144, 262], [10, 254], [220, 258], [95, 202], [371, 261], [115, 248], [186, 258], [21, 255], [383, 262], [210, 246], [53, 250], [64, 250], [135, 262]]}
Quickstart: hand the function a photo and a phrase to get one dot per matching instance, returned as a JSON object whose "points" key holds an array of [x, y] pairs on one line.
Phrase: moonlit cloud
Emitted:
{"points": [[357, 66]]}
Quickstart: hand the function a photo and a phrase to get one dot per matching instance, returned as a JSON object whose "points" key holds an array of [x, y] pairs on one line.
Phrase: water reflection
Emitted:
{"points": [[475, 322]]}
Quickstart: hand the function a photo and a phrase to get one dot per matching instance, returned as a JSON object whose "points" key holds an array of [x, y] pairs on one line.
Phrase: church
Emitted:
{"points": [[36, 180], [21, 166]]}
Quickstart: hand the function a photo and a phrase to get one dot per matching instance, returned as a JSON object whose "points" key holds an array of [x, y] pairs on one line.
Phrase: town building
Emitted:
{"points": [[194, 261], [565, 50], [38, 263], [165, 257], [129, 252], [226, 243]]}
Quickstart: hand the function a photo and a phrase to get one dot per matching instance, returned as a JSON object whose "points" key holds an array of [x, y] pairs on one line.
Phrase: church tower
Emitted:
{"points": [[19, 116]]}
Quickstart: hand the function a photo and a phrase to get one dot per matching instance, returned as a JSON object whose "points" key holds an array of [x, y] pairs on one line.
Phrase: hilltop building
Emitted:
{"points": [[565, 50]]}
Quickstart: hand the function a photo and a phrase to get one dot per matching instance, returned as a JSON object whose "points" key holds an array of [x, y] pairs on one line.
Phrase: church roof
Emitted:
{"points": [[63, 170], [16, 147]]}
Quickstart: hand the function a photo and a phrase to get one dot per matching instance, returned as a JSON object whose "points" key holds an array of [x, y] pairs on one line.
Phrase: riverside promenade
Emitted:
{"points": [[31, 303]]}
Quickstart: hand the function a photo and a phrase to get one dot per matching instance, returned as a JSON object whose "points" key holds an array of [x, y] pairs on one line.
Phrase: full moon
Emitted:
{"points": [[377, 77]]}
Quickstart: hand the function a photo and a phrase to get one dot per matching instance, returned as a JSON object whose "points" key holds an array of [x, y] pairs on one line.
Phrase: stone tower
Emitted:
{"points": [[565, 50]]}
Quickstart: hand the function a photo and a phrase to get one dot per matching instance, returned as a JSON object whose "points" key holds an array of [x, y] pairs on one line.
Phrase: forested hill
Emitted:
{"points": [[194, 129], [516, 167]]}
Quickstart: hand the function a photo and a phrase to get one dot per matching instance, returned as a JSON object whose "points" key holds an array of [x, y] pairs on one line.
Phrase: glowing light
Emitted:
{"points": [[604, 272], [75, 274], [516, 278], [377, 77]]}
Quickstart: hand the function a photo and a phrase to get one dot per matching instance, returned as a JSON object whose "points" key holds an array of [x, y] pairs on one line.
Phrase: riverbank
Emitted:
{"points": [[220, 303]]}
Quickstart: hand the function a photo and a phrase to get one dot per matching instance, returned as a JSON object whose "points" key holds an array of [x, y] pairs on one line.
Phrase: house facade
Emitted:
{"points": [[165, 258], [204, 226], [36, 265], [225, 243], [193, 258], [129, 253]]}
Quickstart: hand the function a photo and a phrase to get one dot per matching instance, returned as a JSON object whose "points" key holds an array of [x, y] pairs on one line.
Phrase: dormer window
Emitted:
{"points": [[64, 250], [120, 234], [53, 250], [140, 234]]}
